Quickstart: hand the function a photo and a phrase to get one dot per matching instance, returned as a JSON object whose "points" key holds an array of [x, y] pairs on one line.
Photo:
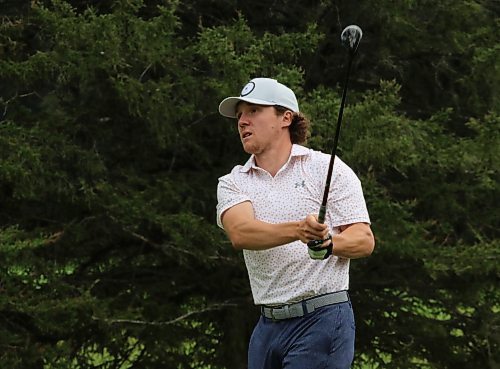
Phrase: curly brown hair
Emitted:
{"points": [[299, 128]]}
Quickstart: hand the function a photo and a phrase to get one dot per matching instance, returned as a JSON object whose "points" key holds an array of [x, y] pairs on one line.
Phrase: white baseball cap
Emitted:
{"points": [[261, 91]]}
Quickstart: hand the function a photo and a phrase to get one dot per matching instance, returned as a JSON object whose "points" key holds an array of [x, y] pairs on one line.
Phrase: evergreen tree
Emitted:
{"points": [[111, 146]]}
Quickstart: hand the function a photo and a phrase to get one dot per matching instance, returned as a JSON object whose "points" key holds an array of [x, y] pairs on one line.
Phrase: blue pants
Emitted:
{"points": [[323, 339]]}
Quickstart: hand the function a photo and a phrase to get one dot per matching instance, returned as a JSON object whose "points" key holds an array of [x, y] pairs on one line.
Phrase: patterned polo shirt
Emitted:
{"points": [[286, 273]]}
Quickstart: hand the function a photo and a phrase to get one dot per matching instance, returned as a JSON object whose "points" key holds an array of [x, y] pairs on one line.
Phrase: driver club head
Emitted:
{"points": [[350, 38]]}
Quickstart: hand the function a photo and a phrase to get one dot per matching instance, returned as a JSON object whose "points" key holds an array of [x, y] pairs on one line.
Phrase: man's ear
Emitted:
{"points": [[286, 118]]}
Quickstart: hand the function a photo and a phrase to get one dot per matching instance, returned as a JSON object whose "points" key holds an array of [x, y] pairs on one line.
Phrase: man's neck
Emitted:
{"points": [[273, 160]]}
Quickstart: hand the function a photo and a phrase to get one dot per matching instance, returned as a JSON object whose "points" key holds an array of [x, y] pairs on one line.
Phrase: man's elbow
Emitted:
{"points": [[369, 244], [237, 240], [237, 244]]}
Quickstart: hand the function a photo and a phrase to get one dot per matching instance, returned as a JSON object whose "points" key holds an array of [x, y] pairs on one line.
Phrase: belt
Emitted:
{"points": [[304, 307]]}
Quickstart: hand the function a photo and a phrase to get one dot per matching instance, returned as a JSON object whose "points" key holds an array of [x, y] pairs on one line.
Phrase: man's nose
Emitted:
{"points": [[242, 120]]}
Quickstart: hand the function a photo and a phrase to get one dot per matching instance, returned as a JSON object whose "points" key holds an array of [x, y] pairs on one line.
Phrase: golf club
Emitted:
{"points": [[350, 38]]}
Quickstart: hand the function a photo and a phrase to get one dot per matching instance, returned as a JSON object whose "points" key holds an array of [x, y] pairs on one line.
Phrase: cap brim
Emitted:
{"points": [[227, 107]]}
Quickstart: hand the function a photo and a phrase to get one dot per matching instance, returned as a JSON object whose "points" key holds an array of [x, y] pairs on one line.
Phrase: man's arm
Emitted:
{"points": [[246, 232], [354, 241]]}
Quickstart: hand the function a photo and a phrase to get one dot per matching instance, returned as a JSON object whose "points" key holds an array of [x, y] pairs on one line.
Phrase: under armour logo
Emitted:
{"points": [[300, 184]]}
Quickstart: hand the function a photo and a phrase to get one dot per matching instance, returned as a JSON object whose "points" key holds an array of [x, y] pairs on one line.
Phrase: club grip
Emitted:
{"points": [[314, 247], [322, 214]]}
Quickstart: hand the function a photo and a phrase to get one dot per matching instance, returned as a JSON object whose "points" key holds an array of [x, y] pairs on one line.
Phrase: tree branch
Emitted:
{"points": [[168, 322], [165, 246]]}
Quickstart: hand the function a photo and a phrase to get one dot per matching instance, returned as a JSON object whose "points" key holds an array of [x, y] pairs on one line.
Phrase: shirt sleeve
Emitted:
{"points": [[346, 202], [228, 195]]}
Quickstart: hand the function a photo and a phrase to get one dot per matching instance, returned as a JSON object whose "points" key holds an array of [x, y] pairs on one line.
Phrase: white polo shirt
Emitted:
{"points": [[286, 273]]}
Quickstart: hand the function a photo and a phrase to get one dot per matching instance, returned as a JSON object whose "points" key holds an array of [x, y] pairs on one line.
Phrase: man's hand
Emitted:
{"points": [[310, 229]]}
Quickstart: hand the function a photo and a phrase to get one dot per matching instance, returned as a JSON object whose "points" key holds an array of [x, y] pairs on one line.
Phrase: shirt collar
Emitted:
{"points": [[297, 150]]}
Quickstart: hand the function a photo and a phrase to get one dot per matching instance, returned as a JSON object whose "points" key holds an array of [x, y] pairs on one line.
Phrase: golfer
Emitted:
{"points": [[268, 209]]}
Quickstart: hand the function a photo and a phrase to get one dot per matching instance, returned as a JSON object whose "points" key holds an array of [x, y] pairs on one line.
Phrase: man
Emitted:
{"points": [[267, 208]]}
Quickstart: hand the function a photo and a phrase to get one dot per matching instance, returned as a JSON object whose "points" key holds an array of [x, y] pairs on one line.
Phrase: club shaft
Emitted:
{"points": [[322, 210]]}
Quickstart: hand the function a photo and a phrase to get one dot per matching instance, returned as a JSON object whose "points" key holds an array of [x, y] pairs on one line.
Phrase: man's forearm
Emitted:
{"points": [[356, 241], [258, 235]]}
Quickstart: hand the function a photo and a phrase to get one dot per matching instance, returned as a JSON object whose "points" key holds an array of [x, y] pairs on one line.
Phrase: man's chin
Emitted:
{"points": [[249, 149]]}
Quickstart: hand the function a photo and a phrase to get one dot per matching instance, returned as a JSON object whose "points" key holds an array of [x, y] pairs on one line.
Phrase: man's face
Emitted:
{"points": [[259, 127]]}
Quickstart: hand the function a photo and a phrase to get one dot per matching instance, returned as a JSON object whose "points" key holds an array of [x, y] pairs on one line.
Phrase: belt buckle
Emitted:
{"points": [[285, 313]]}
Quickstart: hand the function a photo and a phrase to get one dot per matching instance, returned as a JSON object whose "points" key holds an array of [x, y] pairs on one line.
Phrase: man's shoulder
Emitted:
{"points": [[317, 160], [313, 158], [237, 173], [306, 153]]}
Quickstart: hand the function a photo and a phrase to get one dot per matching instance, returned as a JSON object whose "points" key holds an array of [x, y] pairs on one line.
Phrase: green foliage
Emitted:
{"points": [[111, 146]]}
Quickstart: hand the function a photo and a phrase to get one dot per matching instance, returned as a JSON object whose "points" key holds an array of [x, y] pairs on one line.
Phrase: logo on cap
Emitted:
{"points": [[247, 89]]}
